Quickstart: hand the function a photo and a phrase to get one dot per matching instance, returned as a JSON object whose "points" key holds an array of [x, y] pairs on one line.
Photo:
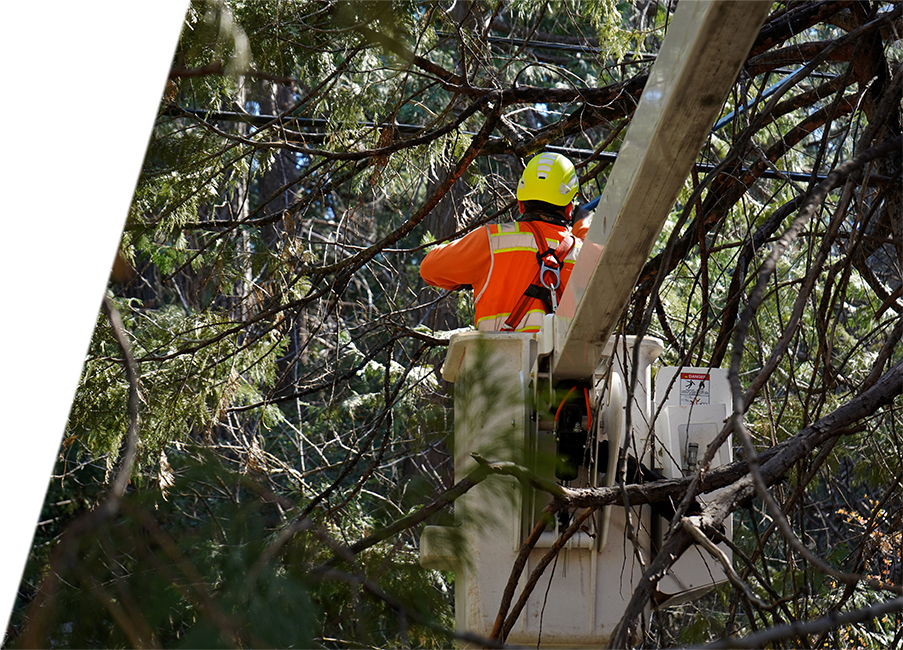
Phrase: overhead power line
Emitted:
{"points": [[637, 57]]}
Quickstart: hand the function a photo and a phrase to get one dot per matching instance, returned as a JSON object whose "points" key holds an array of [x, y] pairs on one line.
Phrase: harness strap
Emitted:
{"points": [[549, 261]]}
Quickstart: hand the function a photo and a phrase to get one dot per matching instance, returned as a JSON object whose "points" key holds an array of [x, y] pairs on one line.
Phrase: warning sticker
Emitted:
{"points": [[694, 388]]}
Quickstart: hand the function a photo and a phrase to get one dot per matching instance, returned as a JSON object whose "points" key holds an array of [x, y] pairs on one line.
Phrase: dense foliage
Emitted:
{"points": [[287, 400]]}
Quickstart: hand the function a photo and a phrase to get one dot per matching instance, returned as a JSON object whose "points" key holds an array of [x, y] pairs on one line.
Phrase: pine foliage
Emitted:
{"points": [[291, 403]]}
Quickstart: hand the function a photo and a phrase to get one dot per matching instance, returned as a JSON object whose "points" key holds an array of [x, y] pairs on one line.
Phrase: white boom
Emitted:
{"points": [[706, 44]]}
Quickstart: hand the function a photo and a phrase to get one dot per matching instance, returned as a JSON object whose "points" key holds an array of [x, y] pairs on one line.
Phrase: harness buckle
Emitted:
{"points": [[555, 272]]}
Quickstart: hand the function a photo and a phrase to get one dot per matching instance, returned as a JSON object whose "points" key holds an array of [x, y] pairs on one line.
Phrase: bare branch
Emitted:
{"points": [[832, 621], [117, 489], [816, 197]]}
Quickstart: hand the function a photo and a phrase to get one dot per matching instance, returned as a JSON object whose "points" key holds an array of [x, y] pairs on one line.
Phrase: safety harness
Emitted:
{"points": [[546, 284]]}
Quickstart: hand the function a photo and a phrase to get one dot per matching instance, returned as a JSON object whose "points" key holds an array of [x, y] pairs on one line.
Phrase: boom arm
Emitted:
{"points": [[706, 44]]}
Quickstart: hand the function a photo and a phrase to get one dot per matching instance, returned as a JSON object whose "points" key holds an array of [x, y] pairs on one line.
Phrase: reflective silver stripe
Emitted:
{"points": [[532, 319], [509, 238], [477, 297]]}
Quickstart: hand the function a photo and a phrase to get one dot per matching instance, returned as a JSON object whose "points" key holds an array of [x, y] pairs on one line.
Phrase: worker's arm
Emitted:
{"points": [[581, 225], [463, 262]]}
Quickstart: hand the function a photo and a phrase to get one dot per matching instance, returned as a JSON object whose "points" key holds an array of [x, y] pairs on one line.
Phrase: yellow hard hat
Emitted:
{"points": [[549, 177]]}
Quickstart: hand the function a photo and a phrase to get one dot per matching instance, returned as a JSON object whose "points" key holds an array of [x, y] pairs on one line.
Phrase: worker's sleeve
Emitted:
{"points": [[464, 262], [581, 227]]}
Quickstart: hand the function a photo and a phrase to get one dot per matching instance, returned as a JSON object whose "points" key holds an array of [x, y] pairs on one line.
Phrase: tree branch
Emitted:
{"points": [[800, 629], [442, 501], [347, 267]]}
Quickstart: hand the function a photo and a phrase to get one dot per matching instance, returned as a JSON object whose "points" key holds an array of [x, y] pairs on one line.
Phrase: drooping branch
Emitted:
{"points": [[784, 25], [773, 465], [65, 555], [796, 629], [739, 278], [815, 199], [347, 267], [536, 574], [127, 460], [795, 55], [516, 570], [729, 188], [439, 503]]}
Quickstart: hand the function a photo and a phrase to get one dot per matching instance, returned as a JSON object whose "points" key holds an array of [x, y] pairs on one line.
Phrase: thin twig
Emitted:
{"points": [[801, 629], [699, 537], [550, 555], [111, 504], [65, 555], [517, 569]]}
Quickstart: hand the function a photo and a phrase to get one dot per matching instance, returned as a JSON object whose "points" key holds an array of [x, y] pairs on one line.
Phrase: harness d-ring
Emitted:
{"points": [[556, 276], [555, 271]]}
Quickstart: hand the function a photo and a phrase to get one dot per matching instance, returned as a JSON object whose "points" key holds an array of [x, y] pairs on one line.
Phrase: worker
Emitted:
{"points": [[517, 270]]}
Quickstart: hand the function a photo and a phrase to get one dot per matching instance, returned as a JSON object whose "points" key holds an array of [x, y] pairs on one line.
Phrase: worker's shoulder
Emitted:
{"points": [[500, 228], [525, 227]]}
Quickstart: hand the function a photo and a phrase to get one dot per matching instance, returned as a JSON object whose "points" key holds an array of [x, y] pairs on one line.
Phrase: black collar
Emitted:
{"points": [[548, 217]]}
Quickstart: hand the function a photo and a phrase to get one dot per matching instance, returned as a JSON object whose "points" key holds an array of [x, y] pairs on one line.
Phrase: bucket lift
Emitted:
{"points": [[561, 401], [508, 414]]}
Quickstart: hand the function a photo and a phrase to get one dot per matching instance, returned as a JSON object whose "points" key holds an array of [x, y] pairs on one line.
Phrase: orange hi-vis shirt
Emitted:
{"points": [[499, 262]]}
